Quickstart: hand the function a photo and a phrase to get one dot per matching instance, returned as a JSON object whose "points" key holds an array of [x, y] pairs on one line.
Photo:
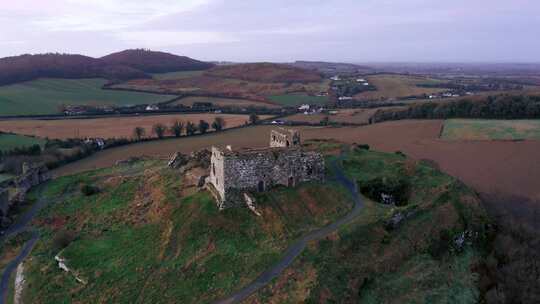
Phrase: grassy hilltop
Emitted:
{"points": [[148, 236]]}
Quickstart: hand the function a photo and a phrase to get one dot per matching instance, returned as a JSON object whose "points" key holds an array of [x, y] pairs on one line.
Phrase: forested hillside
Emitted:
{"points": [[129, 64]]}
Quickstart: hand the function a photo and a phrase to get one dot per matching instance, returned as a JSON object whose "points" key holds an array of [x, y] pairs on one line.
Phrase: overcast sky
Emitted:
{"points": [[279, 30]]}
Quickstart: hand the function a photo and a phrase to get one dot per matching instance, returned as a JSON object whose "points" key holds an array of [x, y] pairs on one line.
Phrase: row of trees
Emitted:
{"points": [[177, 128], [492, 107]]}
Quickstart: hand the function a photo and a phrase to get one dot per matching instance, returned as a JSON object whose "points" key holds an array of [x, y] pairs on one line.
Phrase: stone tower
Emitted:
{"points": [[284, 138]]}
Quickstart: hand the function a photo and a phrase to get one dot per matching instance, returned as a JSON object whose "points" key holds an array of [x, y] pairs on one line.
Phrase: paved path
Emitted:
{"points": [[18, 227], [295, 249]]}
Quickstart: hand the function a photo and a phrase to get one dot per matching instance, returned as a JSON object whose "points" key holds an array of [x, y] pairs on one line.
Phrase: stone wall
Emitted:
{"points": [[258, 170], [284, 138]]}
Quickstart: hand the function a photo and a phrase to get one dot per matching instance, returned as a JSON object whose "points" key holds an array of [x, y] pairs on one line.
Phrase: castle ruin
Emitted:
{"points": [[235, 173]]}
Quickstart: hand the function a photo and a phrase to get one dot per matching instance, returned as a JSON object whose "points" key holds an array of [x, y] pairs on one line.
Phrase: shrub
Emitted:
{"points": [[379, 189], [62, 239], [362, 147], [88, 190]]}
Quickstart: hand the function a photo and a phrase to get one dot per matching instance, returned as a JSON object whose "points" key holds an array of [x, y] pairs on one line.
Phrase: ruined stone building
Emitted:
{"points": [[284, 138], [14, 191], [233, 173]]}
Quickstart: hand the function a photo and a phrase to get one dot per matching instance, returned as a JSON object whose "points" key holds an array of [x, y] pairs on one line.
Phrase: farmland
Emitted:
{"points": [[395, 86], [176, 75], [480, 129], [514, 165], [11, 141], [298, 99], [255, 82], [223, 102], [347, 116], [45, 96], [114, 127]]}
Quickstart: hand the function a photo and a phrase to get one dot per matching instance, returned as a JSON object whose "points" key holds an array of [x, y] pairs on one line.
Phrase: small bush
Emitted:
{"points": [[401, 153], [397, 188], [89, 190], [62, 239], [362, 147]]}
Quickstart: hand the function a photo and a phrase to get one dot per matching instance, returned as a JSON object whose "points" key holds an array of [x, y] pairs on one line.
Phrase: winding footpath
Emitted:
{"points": [[296, 248], [20, 226]]}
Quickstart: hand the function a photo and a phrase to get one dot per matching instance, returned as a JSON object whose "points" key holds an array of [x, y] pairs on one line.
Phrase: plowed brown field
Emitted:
{"points": [[109, 127], [510, 168]]}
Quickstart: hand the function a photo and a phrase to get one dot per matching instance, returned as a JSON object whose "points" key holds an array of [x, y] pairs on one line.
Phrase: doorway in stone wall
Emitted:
{"points": [[291, 182], [260, 186]]}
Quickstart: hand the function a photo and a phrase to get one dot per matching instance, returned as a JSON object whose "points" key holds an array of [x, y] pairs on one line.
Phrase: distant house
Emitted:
{"points": [[152, 108], [366, 83], [335, 78], [304, 107], [360, 80], [345, 98]]}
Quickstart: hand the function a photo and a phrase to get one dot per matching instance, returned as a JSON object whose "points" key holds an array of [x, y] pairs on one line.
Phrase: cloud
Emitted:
{"points": [[172, 38]]}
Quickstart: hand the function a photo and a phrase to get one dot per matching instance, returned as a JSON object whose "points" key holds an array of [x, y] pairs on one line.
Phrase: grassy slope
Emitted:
{"points": [[298, 99], [483, 129], [145, 239], [368, 263], [43, 96], [12, 141]]}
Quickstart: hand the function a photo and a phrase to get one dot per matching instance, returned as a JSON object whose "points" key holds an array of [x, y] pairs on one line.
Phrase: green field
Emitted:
{"points": [[298, 99], [177, 75], [44, 96], [12, 141], [484, 129]]}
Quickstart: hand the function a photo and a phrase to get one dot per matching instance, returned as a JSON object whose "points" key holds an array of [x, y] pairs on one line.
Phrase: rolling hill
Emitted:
{"points": [[128, 64], [265, 72], [154, 62]]}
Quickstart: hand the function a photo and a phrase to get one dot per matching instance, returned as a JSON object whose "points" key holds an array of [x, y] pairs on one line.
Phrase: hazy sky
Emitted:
{"points": [[279, 30]]}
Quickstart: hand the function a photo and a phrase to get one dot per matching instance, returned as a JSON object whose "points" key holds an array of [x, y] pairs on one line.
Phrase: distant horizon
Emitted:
{"points": [[306, 60], [493, 31]]}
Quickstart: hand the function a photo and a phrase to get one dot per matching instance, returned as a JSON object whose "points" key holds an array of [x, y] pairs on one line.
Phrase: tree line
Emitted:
{"points": [[178, 128], [490, 107]]}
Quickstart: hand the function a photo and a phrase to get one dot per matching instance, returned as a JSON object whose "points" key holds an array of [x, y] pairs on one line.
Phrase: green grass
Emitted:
{"points": [[483, 129], [139, 240], [177, 75], [298, 99], [366, 262], [4, 177], [44, 96], [11, 141]]}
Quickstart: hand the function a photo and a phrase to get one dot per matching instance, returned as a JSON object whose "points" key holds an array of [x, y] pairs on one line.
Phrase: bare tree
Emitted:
{"points": [[159, 129], [177, 128], [219, 123], [139, 133]]}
